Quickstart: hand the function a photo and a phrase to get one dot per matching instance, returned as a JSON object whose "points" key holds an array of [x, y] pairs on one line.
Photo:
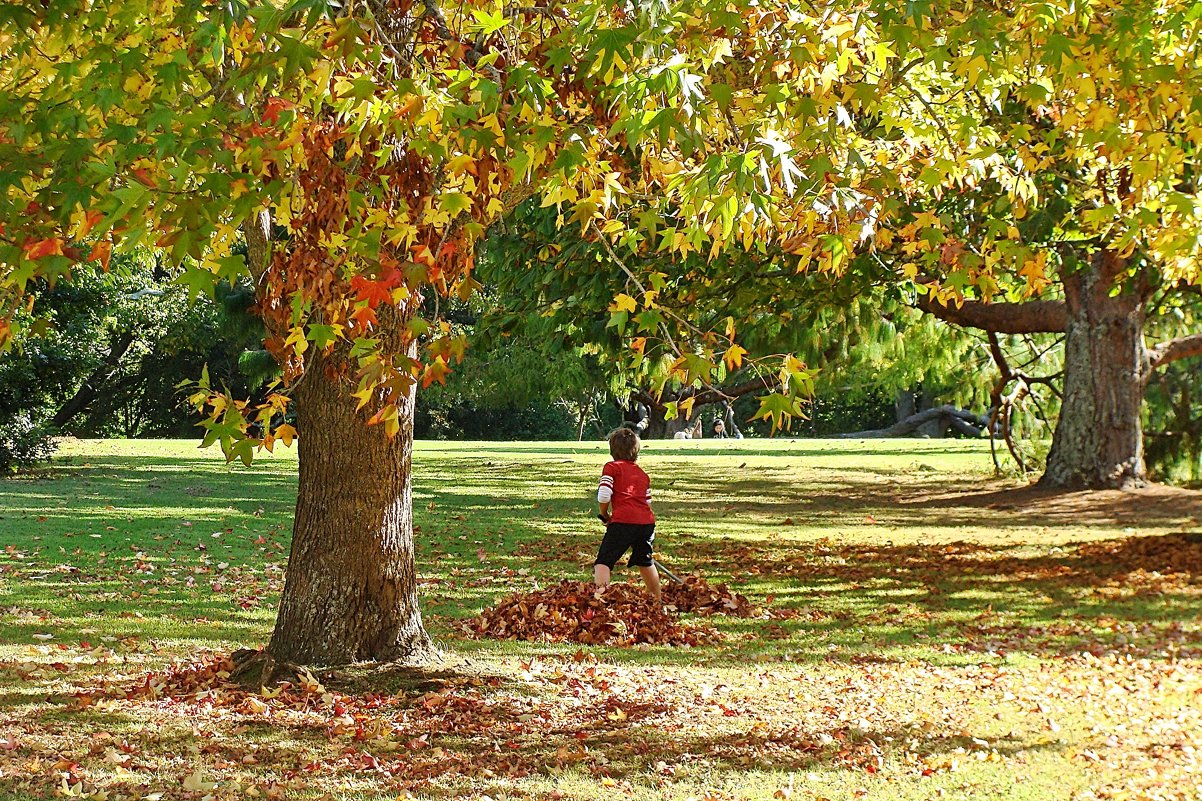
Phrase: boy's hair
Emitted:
{"points": [[624, 444]]}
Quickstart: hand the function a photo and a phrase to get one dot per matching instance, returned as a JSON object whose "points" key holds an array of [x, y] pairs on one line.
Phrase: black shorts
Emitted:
{"points": [[637, 537]]}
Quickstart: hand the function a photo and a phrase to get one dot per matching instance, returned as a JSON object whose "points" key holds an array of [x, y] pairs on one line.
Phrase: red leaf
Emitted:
{"points": [[43, 247]]}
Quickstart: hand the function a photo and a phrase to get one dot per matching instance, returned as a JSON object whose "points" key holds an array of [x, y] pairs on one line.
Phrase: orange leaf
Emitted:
{"points": [[43, 247], [273, 107], [436, 370], [423, 255], [407, 107], [365, 317], [102, 252], [89, 220]]}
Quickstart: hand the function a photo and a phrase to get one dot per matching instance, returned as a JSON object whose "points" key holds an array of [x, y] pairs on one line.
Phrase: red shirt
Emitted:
{"points": [[629, 491]]}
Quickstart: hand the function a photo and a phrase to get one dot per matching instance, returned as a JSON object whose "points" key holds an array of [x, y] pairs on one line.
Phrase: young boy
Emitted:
{"points": [[624, 497]]}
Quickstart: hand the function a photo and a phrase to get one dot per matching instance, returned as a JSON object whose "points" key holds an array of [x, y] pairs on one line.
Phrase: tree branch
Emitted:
{"points": [[257, 230], [95, 383], [1031, 317], [1174, 350], [945, 414]]}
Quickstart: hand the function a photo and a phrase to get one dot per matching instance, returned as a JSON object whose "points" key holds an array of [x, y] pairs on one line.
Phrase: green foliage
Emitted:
{"points": [[23, 444], [77, 331], [109, 349], [465, 418], [1174, 425]]}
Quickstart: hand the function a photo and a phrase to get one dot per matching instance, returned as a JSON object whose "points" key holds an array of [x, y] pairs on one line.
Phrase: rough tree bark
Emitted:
{"points": [[350, 593], [1098, 441], [351, 588]]}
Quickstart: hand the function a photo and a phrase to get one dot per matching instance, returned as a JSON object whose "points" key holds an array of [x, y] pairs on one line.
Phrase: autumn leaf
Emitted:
{"points": [[197, 783], [733, 357], [623, 302], [43, 247]]}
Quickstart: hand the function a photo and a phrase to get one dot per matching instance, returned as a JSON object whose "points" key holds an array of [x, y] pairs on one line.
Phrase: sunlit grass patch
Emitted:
{"points": [[927, 631]]}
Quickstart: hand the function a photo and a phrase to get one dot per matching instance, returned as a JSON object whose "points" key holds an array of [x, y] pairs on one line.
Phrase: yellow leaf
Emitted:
{"points": [[461, 164], [623, 302], [197, 783], [286, 433], [734, 357]]}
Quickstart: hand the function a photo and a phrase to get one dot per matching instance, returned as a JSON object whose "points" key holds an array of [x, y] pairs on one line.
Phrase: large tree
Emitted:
{"points": [[1038, 166], [1058, 191], [361, 149]]}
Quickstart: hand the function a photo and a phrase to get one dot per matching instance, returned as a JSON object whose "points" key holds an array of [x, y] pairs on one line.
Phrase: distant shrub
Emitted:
{"points": [[23, 444]]}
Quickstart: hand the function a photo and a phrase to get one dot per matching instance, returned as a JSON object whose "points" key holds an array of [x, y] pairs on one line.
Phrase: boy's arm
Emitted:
{"points": [[605, 493]]}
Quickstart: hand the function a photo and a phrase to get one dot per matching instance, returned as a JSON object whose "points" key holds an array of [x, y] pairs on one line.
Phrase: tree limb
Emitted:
{"points": [[914, 421], [711, 395], [92, 386], [1031, 317], [1174, 350]]}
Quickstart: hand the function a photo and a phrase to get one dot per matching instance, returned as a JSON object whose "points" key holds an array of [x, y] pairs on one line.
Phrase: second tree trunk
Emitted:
{"points": [[1098, 442]]}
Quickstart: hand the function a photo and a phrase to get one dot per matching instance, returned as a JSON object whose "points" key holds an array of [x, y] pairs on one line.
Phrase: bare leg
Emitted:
{"points": [[601, 576], [651, 579]]}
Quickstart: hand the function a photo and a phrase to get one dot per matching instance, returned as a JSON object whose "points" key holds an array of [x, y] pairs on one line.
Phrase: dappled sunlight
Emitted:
{"points": [[1017, 618]]}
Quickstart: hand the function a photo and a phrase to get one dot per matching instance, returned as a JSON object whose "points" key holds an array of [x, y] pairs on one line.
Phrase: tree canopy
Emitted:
{"points": [[967, 145]]}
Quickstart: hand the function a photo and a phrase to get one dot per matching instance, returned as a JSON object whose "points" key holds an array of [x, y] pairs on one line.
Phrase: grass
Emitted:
{"points": [[937, 633]]}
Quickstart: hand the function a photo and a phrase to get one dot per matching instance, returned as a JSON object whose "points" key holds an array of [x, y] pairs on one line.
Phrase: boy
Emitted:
{"points": [[624, 498]]}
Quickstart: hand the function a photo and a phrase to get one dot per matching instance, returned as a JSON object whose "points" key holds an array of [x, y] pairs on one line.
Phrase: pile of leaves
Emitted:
{"points": [[697, 595], [573, 611]]}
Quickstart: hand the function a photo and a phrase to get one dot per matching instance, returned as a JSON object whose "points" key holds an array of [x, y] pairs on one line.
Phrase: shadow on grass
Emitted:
{"points": [[849, 601], [433, 731], [1140, 595]]}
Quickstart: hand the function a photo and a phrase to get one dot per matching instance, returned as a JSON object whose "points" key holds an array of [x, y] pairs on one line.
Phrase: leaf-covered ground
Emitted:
{"points": [[923, 631]]}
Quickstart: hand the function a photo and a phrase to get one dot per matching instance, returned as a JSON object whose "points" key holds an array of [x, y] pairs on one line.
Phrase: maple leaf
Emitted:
{"points": [[623, 302], [41, 248], [436, 370], [101, 252], [733, 357]]}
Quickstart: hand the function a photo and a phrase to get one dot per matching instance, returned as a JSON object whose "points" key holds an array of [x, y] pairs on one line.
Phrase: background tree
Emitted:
{"points": [[531, 386], [859, 335], [1055, 189], [80, 337]]}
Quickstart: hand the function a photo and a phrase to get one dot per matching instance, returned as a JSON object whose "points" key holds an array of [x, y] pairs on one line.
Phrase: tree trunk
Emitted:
{"points": [[1098, 442], [351, 588], [583, 409], [91, 387], [904, 404]]}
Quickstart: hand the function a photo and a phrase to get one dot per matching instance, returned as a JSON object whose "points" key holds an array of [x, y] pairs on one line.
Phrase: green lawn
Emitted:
{"points": [[931, 632]]}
